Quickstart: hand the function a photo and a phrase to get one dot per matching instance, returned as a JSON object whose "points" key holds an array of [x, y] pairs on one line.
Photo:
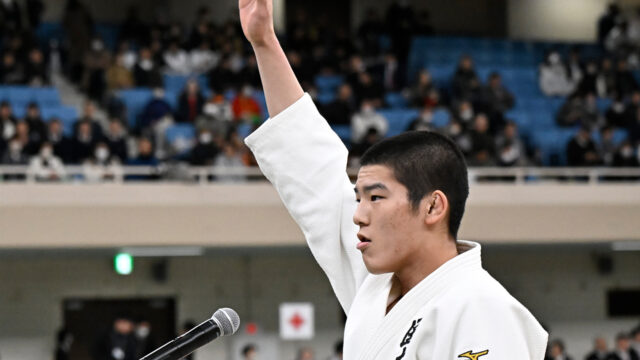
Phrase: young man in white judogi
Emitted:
{"points": [[389, 249]]}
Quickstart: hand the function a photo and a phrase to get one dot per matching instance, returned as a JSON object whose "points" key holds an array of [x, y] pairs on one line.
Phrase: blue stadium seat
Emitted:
{"points": [[344, 132], [619, 135], [604, 104], [395, 100], [176, 83], [398, 119], [259, 97], [243, 130], [181, 137], [441, 117], [135, 101], [328, 83], [325, 97], [552, 143], [47, 96], [67, 115]]}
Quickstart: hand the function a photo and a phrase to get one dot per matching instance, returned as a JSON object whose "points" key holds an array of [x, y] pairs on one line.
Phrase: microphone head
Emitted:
{"points": [[228, 321]]}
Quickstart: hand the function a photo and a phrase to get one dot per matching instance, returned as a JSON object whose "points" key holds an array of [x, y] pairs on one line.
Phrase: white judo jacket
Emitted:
{"points": [[457, 312]]}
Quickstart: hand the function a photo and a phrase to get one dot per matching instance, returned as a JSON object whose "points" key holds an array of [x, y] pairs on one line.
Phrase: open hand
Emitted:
{"points": [[256, 17]]}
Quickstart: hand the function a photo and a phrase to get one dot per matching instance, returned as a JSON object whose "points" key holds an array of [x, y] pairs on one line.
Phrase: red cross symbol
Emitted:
{"points": [[296, 321]]}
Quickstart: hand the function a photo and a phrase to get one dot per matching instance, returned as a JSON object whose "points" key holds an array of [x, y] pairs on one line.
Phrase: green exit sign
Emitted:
{"points": [[123, 263]]}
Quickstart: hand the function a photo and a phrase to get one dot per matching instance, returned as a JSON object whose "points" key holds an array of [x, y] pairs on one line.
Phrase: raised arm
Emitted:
{"points": [[281, 87], [304, 159]]}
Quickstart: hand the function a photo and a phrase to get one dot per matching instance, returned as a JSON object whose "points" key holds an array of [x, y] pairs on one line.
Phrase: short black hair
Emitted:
{"points": [[559, 343], [425, 161], [247, 349]]}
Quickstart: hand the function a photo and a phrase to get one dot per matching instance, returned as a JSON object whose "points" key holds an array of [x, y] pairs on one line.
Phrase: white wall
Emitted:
{"points": [[559, 285]]}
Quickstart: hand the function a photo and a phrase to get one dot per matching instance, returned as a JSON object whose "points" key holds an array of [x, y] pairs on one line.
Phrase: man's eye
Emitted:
{"points": [[357, 200], [375, 197]]}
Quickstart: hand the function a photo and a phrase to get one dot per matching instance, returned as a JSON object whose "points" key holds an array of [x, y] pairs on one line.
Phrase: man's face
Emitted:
{"points": [[389, 229]]}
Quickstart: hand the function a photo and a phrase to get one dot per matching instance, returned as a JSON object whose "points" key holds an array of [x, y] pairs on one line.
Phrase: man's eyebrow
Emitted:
{"points": [[368, 188]]}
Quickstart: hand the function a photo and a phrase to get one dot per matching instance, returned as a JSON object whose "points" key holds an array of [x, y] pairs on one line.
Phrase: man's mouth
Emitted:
{"points": [[364, 242]]}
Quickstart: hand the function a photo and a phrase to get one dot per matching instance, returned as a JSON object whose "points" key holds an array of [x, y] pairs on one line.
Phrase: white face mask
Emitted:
{"points": [[205, 138], [367, 110], [427, 117], [97, 45], [626, 152], [15, 147], [142, 332], [466, 114], [554, 58], [102, 154], [247, 91], [146, 64]]}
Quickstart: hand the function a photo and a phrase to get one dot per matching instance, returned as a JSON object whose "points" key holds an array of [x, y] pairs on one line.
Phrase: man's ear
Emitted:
{"points": [[437, 207]]}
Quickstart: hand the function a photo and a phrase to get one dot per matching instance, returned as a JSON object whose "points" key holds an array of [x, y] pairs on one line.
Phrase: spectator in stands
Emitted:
{"points": [[155, 110], [424, 92], [340, 110], [457, 132], [391, 73], [245, 108], [14, 154], [145, 339], [632, 109], [129, 57], [591, 81], [145, 154], [205, 151], [579, 110], [118, 76], [606, 79], [119, 343], [600, 350], [464, 114], [557, 351], [366, 119], [249, 352], [46, 166], [337, 351], [624, 156], [145, 72], [617, 115], [497, 100], [10, 16], [62, 146], [581, 150], [401, 24], [222, 77], [37, 127], [36, 73], [482, 144], [367, 88], [78, 26], [230, 160], [89, 115], [510, 150], [133, 28], [84, 142], [116, 140], [11, 71], [623, 350], [102, 166], [190, 102], [250, 74], [607, 22], [7, 124], [554, 80], [176, 59], [29, 147], [466, 84], [625, 81], [218, 115], [424, 121], [64, 340], [575, 67], [202, 59], [607, 147]]}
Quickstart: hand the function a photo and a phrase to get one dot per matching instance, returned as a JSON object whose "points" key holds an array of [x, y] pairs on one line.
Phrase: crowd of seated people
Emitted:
{"points": [[626, 347], [477, 109]]}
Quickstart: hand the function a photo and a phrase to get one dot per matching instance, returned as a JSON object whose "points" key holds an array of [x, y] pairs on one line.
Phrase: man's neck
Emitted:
{"points": [[426, 262]]}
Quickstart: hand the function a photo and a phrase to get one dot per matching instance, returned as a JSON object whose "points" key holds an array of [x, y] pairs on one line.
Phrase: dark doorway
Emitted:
{"points": [[90, 319], [332, 14]]}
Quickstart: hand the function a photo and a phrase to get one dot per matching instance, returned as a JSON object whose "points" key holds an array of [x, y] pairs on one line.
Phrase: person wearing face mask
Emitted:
{"points": [[366, 119], [62, 145], [581, 150], [456, 131], [464, 114], [625, 156], [205, 151], [424, 121], [116, 140], [145, 72], [46, 166], [554, 80], [144, 339], [102, 166], [190, 102]]}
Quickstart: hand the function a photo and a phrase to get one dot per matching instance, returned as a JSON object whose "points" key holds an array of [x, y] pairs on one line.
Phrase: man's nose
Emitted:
{"points": [[360, 217]]}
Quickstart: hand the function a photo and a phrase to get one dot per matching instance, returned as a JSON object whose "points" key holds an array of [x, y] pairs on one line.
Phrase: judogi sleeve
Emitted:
{"points": [[306, 162], [498, 328]]}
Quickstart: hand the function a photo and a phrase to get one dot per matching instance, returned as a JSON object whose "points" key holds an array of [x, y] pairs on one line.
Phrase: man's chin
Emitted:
{"points": [[373, 268]]}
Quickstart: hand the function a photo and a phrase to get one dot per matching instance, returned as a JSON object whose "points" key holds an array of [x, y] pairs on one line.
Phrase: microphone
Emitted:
{"points": [[224, 321]]}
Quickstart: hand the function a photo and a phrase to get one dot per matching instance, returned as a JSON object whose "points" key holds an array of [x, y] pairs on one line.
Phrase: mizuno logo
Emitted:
{"points": [[473, 356]]}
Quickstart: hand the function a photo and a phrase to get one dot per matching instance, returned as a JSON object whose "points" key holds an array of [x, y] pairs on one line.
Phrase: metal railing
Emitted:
{"points": [[208, 174]]}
